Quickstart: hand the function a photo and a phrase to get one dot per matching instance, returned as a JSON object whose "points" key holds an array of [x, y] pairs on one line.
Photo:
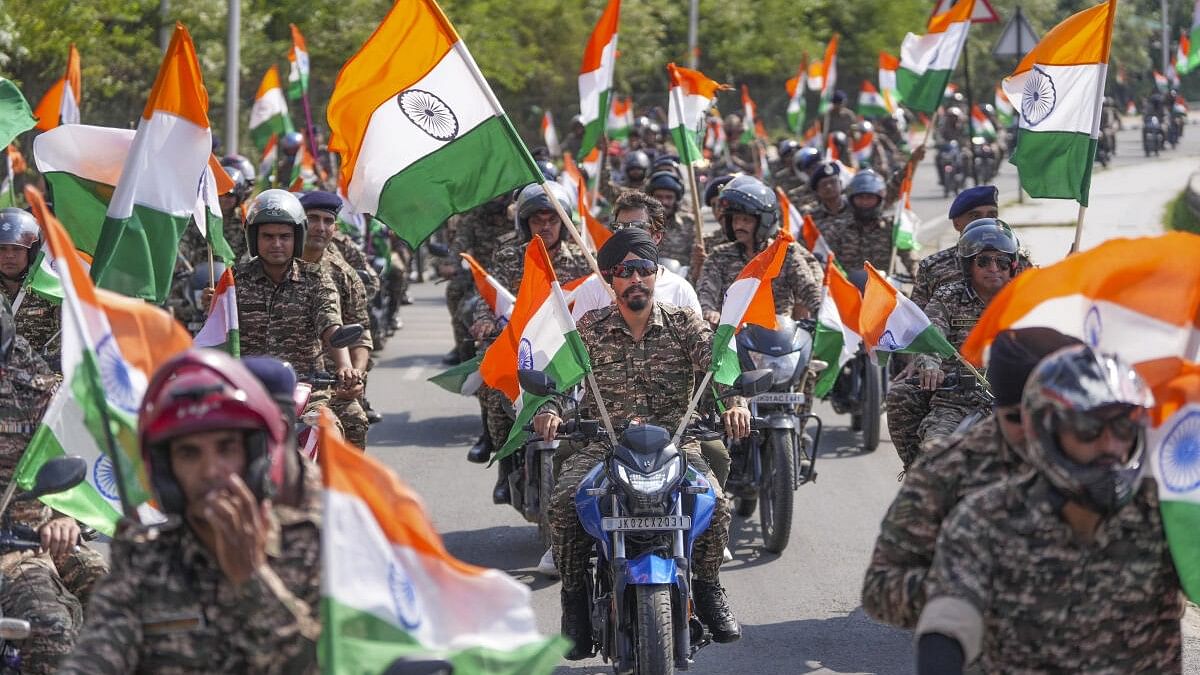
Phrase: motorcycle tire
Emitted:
{"points": [[654, 637], [872, 417], [777, 490], [744, 506], [545, 491]]}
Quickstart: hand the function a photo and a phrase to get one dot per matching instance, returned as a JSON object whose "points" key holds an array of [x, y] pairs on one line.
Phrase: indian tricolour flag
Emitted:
{"points": [[829, 74], [981, 125], [465, 378], [298, 65], [927, 61], [790, 219], [838, 336], [111, 344], [1160, 82], [61, 103], [750, 123], [620, 118], [594, 232], [82, 165], [596, 77], [540, 336], [1059, 89], [1193, 41], [1138, 298], [813, 239], [796, 87], [888, 65], [390, 592], [15, 116], [1181, 63], [691, 96], [1004, 108], [890, 322], [550, 134], [421, 135], [156, 194], [220, 330], [870, 102], [906, 220], [1173, 445], [749, 299], [269, 115]]}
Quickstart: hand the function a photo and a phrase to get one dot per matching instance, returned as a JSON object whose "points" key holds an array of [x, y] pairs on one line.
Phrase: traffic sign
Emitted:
{"points": [[1018, 38], [982, 13]]}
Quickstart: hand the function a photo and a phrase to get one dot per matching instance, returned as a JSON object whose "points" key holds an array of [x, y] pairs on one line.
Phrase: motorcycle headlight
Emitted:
{"points": [[782, 367], [651, 483]]}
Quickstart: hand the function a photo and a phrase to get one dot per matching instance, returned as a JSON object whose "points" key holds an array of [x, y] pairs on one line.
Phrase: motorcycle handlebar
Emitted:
{"points": [[321, 380]]}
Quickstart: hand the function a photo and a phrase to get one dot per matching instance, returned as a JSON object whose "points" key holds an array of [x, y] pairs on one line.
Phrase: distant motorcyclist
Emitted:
{"points": [[37, 319], [862, 232]]}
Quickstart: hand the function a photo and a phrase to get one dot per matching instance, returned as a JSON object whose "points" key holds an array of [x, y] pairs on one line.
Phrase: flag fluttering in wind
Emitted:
{"points": [[61, 103], [690, 97], [420, 133], [888, 65], [750, 124], [870, 102], [594, 232], [1171, 446], [927, 61], [269, 115], [1193, 41], [596, 77], [82, 165], [749, 299], [796, 87], [550, 134], [829, 73], [620, 118], [1160, 82], [906, 221], [15, 116], [221, 331], [498, 298], [298, 65], [1004, 108], [111, 344], [391, 590], [1181, 62], [815, 241], [790, 218], [890, 322], [1059, 89], [540, 336], [1138, 298], [156, 194], [863, 147], [838, 334], [981, 125]]}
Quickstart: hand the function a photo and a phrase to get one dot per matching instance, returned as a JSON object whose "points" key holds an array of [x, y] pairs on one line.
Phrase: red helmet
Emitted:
{"points": [[206, 390]]}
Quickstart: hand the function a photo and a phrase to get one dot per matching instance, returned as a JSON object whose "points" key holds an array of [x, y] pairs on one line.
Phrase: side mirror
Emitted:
{"points": [[57, 475], [439, 250], [403, 666], [537, 383], [753, 382], [345, 335]]}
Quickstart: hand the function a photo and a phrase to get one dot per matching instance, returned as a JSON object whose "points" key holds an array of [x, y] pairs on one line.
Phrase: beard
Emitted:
{"points": [[639, 302]]}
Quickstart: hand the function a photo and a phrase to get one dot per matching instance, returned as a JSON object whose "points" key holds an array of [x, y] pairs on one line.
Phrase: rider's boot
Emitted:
{"points": [[482, 450], [577, 623], [713, 609], [500, 493]]}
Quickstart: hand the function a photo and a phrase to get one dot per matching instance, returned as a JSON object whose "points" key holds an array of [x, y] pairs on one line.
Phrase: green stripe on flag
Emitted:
{"points": [[1055, 164], [261, 134], [685, 143], [216, 239], [136, 255], [725, 365], [827, 346], [81, 502], [1181, 520], [930, 341], [354, 642], [456, 379], [568, 367], [87, 389], [15, 115], [482, 163], [922, 93], [81, 206], [594, 130]]}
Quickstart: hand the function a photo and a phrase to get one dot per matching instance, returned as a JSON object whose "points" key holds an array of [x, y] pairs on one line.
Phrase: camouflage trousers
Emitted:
{"points": [[80, 570], [496, 408], [34, 591], [907, 405], [943, 418], [458, 289], [572, 545], [350, 413]]}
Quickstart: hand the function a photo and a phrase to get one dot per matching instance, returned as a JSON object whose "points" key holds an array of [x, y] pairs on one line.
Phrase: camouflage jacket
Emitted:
{"points": [[483, 236], [39, 321], [1023, 593], [803, 197], [677, 241], [943, 267], [167, 608], [948, 469], [794, 286], [354, 256], [509, 266], [286, 320], [352, 297], [26, 386], [954, 310], [855, 242]]}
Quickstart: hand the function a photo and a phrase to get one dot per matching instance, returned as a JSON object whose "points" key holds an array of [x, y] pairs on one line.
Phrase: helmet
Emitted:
{"points": [[638, 159], [989, 109], [866, 182], [549, 171], [664, 180], [203, 390], [715, 185], [19, 228], [667, 163], [954, 111], [533, 199], [276, 206], [240, 163], [983, 235], [865, 127], [291, 142], [1078, 381], [958, 97], [804, 159], [786, 147], [839, 141], [747, 194], [241, 186]]}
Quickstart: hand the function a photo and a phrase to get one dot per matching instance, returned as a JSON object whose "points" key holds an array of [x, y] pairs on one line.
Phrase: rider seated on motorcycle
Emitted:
{"points": [[862, 233], [644, 355], [988, 255]]}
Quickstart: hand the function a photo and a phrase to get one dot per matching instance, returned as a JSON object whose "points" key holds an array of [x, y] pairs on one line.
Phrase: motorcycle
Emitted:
{"points": [[380, 309], [1152, 135], [306, 423], [1174, 128], [56, 475], [1104, 148], [645, 507], [950, 163], [861, 385], [531, 482], [964, 381], [780, 455], [985, 160]]}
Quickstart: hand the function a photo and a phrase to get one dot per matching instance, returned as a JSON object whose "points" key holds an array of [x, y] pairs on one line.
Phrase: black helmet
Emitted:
{"points": [[747, 194], [549, 171], [1078, 382], [866, 182], [983, 235], [241, 186], [276, 206], [664, 180], [20, 228], [786, 147], [715, 185], [669, 163], [533, 199], [240, 163], [804, 159], [291, 142], [638, 159]]}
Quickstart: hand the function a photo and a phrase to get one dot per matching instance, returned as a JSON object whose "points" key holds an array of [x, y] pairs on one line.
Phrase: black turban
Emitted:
{"points": [[623, 242], [1013, 356]]}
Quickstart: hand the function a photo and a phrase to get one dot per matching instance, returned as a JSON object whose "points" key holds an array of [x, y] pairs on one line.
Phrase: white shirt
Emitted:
{"points": [[669, 287]]}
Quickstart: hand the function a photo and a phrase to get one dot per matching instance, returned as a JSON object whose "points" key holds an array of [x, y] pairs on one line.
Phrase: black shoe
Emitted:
{"points": [[482, 450], [452, 358], [713, 609], [406, 299], [373, 416], [577, 624], [501, 493]]}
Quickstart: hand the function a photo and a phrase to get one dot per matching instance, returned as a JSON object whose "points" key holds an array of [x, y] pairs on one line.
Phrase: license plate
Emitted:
{"points": [[779, 397], [635, 523]]}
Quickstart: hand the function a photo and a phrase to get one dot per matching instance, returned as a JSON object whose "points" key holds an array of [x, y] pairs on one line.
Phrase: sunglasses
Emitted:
{"points": [[1088, 428], [627, 268], [643, 224], [1000, 261]]}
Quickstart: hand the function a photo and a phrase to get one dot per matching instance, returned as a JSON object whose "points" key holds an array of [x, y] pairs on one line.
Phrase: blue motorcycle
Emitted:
{"points": [[645, 506]]}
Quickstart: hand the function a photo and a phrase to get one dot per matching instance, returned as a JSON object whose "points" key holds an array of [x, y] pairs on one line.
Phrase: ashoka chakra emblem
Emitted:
{"points": [[429, 113], [116, 377], [105, 478], [1179, 455], [1038, 97]]}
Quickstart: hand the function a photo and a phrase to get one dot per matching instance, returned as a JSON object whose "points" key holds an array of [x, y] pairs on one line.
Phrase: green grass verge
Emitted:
{"points": [[1180, 217]]}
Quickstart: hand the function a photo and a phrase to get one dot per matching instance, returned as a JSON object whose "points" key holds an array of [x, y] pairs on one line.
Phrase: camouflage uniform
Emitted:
{"points": [[944, 267], [1023, 593], [651, 381], [795, 285], [803, 197], [679, 238], [482, 236], [352, 297], [842, 119], [354, 256], [38, 321], [168, 608], [954, 310], [948, 470], [856, 242], [286, 320]]}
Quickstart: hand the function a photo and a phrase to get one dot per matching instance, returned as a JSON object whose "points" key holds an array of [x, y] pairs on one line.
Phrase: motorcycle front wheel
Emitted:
{"points": [[872, 407], [776, 490], [654, 641]]}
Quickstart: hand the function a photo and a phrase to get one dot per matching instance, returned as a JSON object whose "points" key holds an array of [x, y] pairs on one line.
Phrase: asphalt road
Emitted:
{"points": [[800, 611]]}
